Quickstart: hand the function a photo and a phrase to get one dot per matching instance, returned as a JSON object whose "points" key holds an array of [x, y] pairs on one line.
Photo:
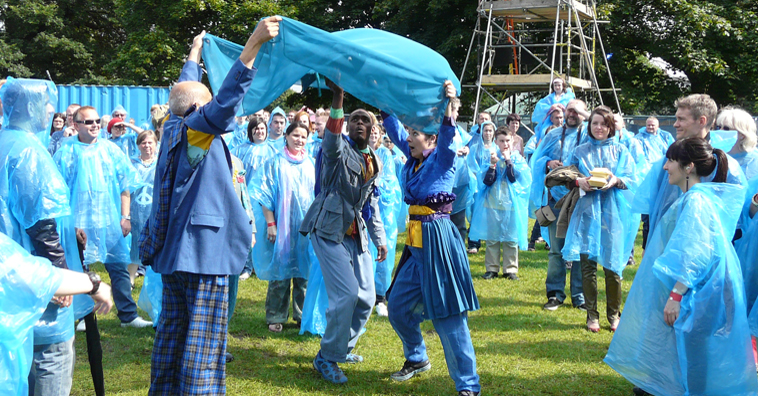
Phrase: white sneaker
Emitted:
{"points": [[82, 326], [245, 275], [138, 323], [381, 309]]}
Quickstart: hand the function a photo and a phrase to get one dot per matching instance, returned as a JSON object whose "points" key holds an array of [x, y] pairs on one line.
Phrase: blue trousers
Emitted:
{"points": [[349, 280], [405, 307], [52, 369], [121, 287], [555, 282]]}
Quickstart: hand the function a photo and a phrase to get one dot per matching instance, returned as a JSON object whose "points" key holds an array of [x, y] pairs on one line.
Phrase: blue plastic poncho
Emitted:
{"points": [[747, 251], [96, 174], [32, 189], [390, 202], [253, 156], [655, 194], [543, 106], [27, 284], [141, 202], [654, 146], [555, 146], [748, 161], [128, 144], [464, 186], [500, 210], [315, 304], [380, 68], [151, 296], [239, 136], [284, 186], [313, 146], [641, 168], [723, 139], [599, 223], [708, 350]]}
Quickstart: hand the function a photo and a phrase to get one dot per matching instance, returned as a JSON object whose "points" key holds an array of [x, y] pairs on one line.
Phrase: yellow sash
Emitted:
{"points": [[415, 238]]}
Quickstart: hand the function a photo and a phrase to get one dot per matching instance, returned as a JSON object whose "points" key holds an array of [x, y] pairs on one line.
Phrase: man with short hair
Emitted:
{"points": [[199, 232], [557, 148], [481, 119], [100, 177], [694, 116], [315, 144], [277, 126], [344, 211], [291, 116]]}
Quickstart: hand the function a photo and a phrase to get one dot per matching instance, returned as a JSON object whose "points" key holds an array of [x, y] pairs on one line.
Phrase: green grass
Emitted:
{"points": [[520, 348]]}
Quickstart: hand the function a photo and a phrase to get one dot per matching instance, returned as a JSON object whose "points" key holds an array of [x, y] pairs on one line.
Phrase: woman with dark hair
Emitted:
{"points": [[684, 330], [597, 228], [56, 132], [433, 271], [284, 187]]}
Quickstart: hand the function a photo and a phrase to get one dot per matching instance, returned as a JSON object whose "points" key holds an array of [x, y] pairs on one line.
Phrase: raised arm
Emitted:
{"points": [[445, 145], [332, 144], [396, 132], [191, 70]]}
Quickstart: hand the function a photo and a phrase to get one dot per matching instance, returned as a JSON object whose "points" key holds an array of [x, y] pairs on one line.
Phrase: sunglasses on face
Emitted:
{"points": [[719, 127], [89, 122]]}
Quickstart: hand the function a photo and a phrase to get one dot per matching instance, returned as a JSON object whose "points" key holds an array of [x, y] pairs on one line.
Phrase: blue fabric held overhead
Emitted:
{"points": [[708, 349], [380, 68]]}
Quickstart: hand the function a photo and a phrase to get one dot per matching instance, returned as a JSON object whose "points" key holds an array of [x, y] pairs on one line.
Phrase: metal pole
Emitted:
{"points": [[465, 63], [605, 59], [484, 58], [587, 55], [555, 44]]}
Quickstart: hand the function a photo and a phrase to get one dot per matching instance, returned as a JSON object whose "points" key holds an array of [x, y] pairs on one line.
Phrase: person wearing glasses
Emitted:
{"points": [[100, 177]]}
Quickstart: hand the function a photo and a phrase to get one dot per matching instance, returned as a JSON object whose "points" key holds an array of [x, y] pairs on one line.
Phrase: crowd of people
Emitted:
{"points": [[313, 201]]}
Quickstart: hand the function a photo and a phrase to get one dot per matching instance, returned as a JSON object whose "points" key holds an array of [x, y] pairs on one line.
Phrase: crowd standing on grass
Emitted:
{"points": [[312, 202]]}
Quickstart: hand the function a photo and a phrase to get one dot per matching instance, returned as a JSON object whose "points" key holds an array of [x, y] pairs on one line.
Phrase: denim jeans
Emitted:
{"points": [[555, 283], [121, 287], [52, 369]]}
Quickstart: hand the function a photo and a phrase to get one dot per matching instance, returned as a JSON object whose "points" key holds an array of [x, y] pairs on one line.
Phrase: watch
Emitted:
{"points": [[95, 279], [126, 218]]}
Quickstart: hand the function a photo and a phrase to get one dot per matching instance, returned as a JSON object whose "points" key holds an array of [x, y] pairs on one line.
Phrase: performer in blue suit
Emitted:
{"points": [[433, 280]]}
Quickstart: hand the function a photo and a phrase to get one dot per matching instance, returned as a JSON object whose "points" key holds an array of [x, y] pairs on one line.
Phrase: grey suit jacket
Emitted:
{"points": [[343, 194]]}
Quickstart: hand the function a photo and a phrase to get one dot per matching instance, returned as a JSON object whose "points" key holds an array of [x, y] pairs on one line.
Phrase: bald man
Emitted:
{"points": [[199, 232]]}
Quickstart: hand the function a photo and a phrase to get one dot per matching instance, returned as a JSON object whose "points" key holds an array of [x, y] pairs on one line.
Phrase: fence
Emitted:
{"points": [[135, 99]]}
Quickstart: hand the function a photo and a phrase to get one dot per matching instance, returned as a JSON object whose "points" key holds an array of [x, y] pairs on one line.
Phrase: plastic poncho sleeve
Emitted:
{"points": [[382, 69], [27, 285], [544, 104]]}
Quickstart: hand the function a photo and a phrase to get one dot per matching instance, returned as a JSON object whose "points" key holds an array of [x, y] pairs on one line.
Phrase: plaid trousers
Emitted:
{"points": [[190, 342]]}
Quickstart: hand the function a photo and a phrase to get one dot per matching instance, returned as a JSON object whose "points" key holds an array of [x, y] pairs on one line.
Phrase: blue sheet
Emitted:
{"points": [[385, 70]]}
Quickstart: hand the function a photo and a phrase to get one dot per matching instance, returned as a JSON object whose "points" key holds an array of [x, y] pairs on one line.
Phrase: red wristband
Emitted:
{"points": [[675, 296], [271, 224], [577, 182]]}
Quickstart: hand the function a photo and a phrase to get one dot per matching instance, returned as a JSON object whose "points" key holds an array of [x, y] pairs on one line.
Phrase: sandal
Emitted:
{"points": [[275, 327], [593, 325]]}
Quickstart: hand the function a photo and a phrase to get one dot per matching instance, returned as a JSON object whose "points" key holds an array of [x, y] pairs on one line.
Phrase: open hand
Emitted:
{"points": [[671, 312], [612, 181], [103, 300]]}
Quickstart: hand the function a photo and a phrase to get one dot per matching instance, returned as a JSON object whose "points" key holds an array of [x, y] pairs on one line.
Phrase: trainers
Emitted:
{"points": [[511, 276], [489, 275], [468, 393], [531, 248], [82, 326], [582, 307], [329, 370], [229, 357], [381, 309], [630, 262], [540, 240], [472, 251], [353, 358], [245, 276], [552, 304], [138, 323], [410, 369]]}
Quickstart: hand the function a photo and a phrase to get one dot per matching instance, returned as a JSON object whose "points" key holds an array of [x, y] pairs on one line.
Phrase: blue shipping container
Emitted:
{"points": [[137, 100]]}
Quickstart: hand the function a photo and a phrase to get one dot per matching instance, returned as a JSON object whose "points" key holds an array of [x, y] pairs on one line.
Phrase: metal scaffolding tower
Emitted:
{"points": [[526, 43]]}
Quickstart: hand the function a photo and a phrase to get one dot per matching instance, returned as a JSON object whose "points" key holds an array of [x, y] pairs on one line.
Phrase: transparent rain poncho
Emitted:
{"points": [[27, 284], [390, 202], [654, 146], [141, 203], [708, 350], [239, 136], [599, 223], [253, 156], [500, 210], [544, 104], [641, 168], [385, 70], [284, 186], [128, 144], [32, 189], [96, 174], [748, 161], [151, 296], [747, 251]]}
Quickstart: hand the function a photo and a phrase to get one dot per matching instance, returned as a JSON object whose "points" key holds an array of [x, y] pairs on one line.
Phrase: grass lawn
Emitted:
{"points": [[520, 348]]}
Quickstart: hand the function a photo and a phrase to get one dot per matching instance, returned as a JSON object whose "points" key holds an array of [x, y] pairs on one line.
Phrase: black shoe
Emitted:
{"points": [[410, 369], [511, 276], [547, 247], [531, 248], [229, 357], [582, 307], [630, 262], [489, 275], [552, 304], [468, 393], [639, 392]]}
